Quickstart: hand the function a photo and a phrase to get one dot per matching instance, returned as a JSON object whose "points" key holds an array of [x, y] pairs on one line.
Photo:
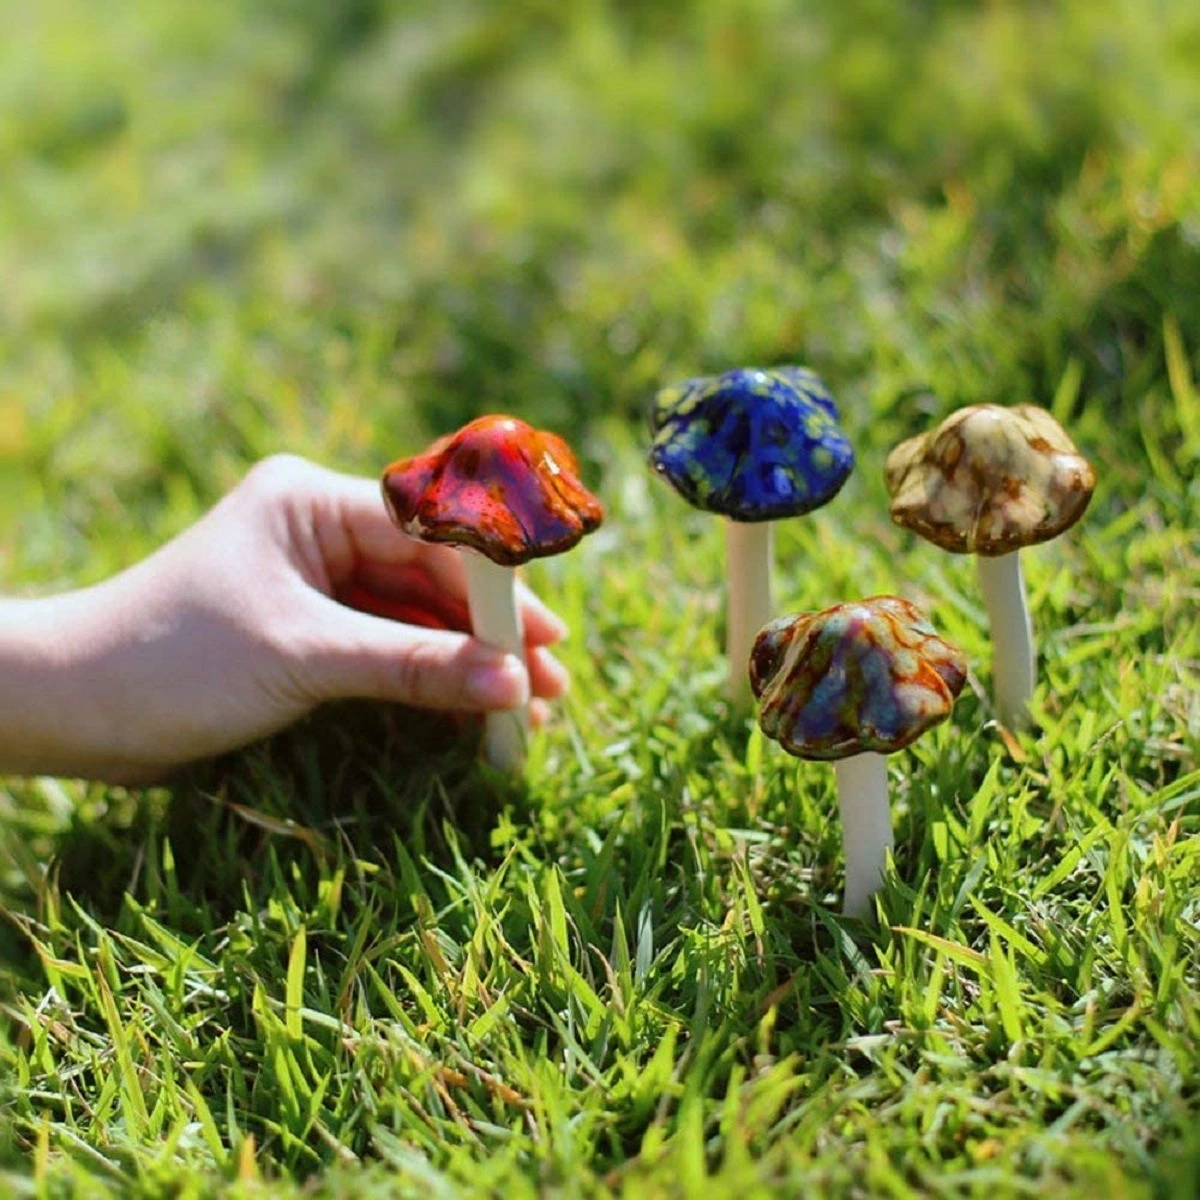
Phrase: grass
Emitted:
{"points": [[350, 961]]}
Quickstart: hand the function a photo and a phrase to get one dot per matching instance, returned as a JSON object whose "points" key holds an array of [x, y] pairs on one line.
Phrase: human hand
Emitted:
{"points": [[248, 620]]}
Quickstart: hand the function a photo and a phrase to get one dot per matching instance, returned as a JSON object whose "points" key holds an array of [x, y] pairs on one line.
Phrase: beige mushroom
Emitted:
{"points": [[989, 481]]}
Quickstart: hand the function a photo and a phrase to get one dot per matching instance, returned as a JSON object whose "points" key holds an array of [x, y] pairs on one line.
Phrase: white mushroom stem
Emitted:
{"points": [[866, 827], [748, 546], [1013, 666], [492, 597]]}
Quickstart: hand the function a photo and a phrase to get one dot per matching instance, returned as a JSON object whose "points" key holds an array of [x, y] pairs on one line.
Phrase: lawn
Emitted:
{"points": [[353, 962]]}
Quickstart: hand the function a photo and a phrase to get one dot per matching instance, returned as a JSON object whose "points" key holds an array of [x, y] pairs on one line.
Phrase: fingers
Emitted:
{"points": [[439, 584], [379, 570], [542, 625], [358, 506], [548, 678], [359, 655], [418, 602], [362, 545]]}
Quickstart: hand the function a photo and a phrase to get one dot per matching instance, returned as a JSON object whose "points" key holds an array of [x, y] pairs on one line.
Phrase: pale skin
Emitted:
{"points": [[236, 628]]}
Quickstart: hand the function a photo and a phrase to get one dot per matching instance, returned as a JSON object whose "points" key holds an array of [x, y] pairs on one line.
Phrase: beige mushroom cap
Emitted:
{"points": [[989, 480]]}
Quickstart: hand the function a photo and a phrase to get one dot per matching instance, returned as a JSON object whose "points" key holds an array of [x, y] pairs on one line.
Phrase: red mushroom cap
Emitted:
{"points": [[499, 486]]}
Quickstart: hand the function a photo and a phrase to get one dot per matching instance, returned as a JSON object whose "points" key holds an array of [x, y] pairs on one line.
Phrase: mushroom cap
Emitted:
{"points": [[753, 445], [871, 675], [498, 486], [989, 480]]}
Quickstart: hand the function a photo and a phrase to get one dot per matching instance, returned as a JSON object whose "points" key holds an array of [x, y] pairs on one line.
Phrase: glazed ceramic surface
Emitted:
{"points": [[872, 675], [989, 480], [498, 486], [753, 445]]}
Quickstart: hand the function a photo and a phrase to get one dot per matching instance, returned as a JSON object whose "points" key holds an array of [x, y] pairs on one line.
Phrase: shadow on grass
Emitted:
{"points": [[347, 783]]}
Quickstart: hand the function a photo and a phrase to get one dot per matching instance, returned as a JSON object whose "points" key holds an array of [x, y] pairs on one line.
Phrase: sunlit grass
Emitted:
{"points": [[351, 960]]}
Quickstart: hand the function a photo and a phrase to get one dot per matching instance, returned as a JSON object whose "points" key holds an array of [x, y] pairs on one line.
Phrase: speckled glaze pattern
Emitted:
{"points": [[499, 486], [871, 675], [989, 480], [753, 445]]}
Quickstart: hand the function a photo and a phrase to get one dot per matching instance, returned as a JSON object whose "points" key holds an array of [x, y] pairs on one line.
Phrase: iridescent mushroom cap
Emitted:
{"points": [[752, 445], [989, 480], [498, 486], [871, 675]]}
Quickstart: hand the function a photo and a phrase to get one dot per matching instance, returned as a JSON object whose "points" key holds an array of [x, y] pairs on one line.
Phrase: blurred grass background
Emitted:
{"points": [[339, 228]]}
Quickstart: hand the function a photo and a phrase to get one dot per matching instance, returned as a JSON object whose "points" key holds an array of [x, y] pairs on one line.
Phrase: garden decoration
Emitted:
{"points": [[851, 684], [988, 481], [503, 493], [754, 446]]}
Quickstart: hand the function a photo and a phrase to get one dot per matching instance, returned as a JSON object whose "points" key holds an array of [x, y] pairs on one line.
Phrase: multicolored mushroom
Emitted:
{"points": [[754, 446], [989, 481], [504, 493], [851, 684]]}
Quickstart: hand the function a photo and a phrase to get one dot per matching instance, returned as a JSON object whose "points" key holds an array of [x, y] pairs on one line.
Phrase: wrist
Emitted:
{"points": [[57, 717]]}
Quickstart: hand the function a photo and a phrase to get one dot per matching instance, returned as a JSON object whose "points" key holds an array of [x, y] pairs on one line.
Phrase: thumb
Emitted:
{"points": [[367, 657]]}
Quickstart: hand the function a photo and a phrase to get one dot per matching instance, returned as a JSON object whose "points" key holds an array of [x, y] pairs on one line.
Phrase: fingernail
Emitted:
{"points": [[558, 626], [500, 684]]}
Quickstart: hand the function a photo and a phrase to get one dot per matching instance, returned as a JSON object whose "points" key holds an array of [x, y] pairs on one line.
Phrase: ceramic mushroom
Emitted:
{"points": [[988, 481], [754, 446], [851, 684], [503, 493]]}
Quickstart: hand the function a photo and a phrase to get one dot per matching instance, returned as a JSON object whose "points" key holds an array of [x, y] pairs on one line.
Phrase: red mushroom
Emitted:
{"points": [[503, 492]]}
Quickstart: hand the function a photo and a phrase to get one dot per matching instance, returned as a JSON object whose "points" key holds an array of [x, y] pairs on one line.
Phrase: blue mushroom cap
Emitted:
{"points": [[753, 445]]}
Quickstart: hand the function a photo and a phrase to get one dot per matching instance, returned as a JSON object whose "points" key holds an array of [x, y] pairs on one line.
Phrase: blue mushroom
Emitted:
{"points": [[754, 446]]}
